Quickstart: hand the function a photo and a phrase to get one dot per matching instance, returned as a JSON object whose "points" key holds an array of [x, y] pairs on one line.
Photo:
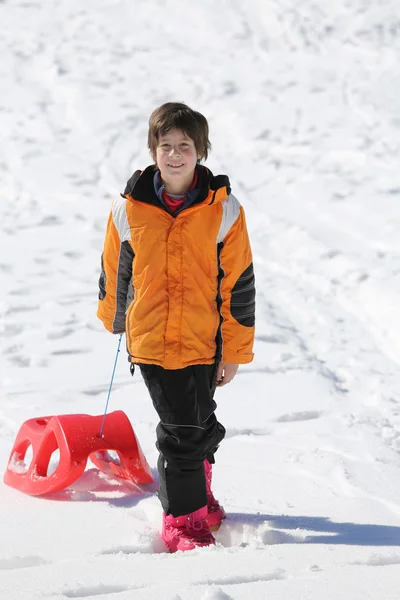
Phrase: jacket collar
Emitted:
{"points": [[212, 188]]}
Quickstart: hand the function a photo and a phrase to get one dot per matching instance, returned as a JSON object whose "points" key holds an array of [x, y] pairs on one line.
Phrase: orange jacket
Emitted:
{"points": [[182, 288]]}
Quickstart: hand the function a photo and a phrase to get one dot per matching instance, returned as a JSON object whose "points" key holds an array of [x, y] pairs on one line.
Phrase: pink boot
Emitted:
{"points": [[187, 531], [216, 512]]}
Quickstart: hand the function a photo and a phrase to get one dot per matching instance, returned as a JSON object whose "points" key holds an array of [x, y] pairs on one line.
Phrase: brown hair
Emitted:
{"points": [[176, 115]]}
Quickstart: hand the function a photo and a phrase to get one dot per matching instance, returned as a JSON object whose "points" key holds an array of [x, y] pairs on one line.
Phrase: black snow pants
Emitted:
{"points": [[188, 432]]}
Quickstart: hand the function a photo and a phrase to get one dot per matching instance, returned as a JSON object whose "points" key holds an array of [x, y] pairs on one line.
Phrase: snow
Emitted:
{"points": [[303, 108], [16, 465]]}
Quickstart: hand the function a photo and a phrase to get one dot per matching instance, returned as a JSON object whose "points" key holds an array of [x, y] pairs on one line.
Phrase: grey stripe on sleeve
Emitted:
{"points": [[120, 219], [124, 286], [231, 211]]}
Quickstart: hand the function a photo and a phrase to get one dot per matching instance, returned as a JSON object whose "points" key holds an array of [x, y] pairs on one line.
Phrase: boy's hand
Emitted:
{"points": [[226, 372]]}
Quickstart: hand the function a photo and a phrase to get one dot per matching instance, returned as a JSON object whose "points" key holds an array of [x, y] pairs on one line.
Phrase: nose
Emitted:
{"points": [[174, 151]]}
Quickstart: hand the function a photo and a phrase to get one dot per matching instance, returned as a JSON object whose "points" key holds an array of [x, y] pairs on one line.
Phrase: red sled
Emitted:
{"points": [[77, 439]]}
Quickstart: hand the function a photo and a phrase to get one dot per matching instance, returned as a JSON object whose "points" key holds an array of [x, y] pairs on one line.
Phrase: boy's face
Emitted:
{"points": [[176, 157]]}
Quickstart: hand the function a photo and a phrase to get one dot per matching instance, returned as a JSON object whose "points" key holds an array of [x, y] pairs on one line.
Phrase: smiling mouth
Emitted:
{"points": [[175, 166]]}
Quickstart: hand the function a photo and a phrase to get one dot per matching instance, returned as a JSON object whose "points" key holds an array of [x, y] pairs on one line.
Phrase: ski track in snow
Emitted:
{"points": [[304, 117]]}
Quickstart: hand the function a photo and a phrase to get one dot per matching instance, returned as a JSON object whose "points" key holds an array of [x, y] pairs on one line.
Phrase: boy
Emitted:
{"points": [[177, 277]]}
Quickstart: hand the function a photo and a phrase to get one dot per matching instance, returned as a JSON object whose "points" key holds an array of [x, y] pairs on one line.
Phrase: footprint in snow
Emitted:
{"points": [[306, 415], [21, 309], [243, 530], [278, 574], [380, 561], [70, 351], [21, 562], [272, 339], [214, 593], [233, 432], [96, 590], [150, 544], [55, 335]]}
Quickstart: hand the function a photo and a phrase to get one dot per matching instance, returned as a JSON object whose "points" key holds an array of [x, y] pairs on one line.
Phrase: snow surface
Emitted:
{"points": [[303, 104]]}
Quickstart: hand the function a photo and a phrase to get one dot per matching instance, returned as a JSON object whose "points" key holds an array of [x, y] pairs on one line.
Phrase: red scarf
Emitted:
{"points": [[175, 204]]}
